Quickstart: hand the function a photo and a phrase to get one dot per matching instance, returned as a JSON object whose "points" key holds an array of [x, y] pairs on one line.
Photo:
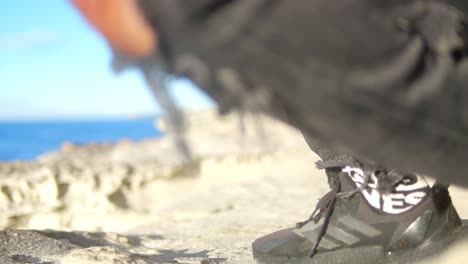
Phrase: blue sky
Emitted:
{"points": [[54, 66]]}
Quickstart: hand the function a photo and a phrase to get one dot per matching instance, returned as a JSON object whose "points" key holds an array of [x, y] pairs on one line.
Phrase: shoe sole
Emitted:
{"points": [[372, 254]]}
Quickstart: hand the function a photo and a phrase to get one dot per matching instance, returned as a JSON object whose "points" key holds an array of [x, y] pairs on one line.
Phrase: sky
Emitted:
{"points": [[54, 66]]}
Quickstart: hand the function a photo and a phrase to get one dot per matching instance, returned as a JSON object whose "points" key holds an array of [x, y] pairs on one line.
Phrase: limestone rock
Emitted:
{"points": [[139, 203]]}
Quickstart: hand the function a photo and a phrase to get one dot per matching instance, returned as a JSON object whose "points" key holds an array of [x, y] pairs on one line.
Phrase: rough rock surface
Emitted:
{"points": [[138, 202]]}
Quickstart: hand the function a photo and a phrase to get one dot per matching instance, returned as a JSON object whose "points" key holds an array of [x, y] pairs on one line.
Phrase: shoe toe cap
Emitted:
{"points": [[285, 242]]}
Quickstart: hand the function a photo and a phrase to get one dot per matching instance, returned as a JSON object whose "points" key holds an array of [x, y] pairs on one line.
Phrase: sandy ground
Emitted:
{"points": [[139, 203]]}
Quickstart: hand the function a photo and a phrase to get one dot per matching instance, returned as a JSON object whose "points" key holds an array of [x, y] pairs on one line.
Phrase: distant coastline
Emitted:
{"points": [[23, 140]]}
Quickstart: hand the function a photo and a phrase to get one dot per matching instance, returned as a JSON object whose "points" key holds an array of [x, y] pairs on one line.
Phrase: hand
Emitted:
{"points": [[122, 24]]}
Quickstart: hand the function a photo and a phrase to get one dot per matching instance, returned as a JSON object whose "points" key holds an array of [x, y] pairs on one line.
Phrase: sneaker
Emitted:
{"points": [[358, 222]]}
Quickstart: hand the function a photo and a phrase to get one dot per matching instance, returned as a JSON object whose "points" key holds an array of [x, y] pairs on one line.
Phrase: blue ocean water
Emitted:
{"points": [[26, 140]]}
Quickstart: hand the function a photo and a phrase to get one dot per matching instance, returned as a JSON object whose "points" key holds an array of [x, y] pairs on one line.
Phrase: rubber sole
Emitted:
{"points": [[372, 254]]}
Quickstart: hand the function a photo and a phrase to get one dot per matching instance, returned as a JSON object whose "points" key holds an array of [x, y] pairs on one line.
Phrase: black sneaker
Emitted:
{"points": [[357, 222]]}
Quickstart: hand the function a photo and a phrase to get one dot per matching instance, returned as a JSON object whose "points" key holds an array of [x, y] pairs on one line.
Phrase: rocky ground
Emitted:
{"points": [[138, 202]]}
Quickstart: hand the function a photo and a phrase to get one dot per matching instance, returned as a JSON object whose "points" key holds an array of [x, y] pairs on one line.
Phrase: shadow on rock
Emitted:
{"points": [[43, 246], [27, 259], [81, 239], [171, 256]]}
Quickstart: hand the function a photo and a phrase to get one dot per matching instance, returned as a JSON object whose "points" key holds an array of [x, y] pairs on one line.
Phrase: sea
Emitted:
{"points": [[26, 140]]}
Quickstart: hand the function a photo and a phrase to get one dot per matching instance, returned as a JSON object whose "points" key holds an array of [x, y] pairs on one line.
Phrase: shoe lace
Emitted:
{"points": [[326, 204]]}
